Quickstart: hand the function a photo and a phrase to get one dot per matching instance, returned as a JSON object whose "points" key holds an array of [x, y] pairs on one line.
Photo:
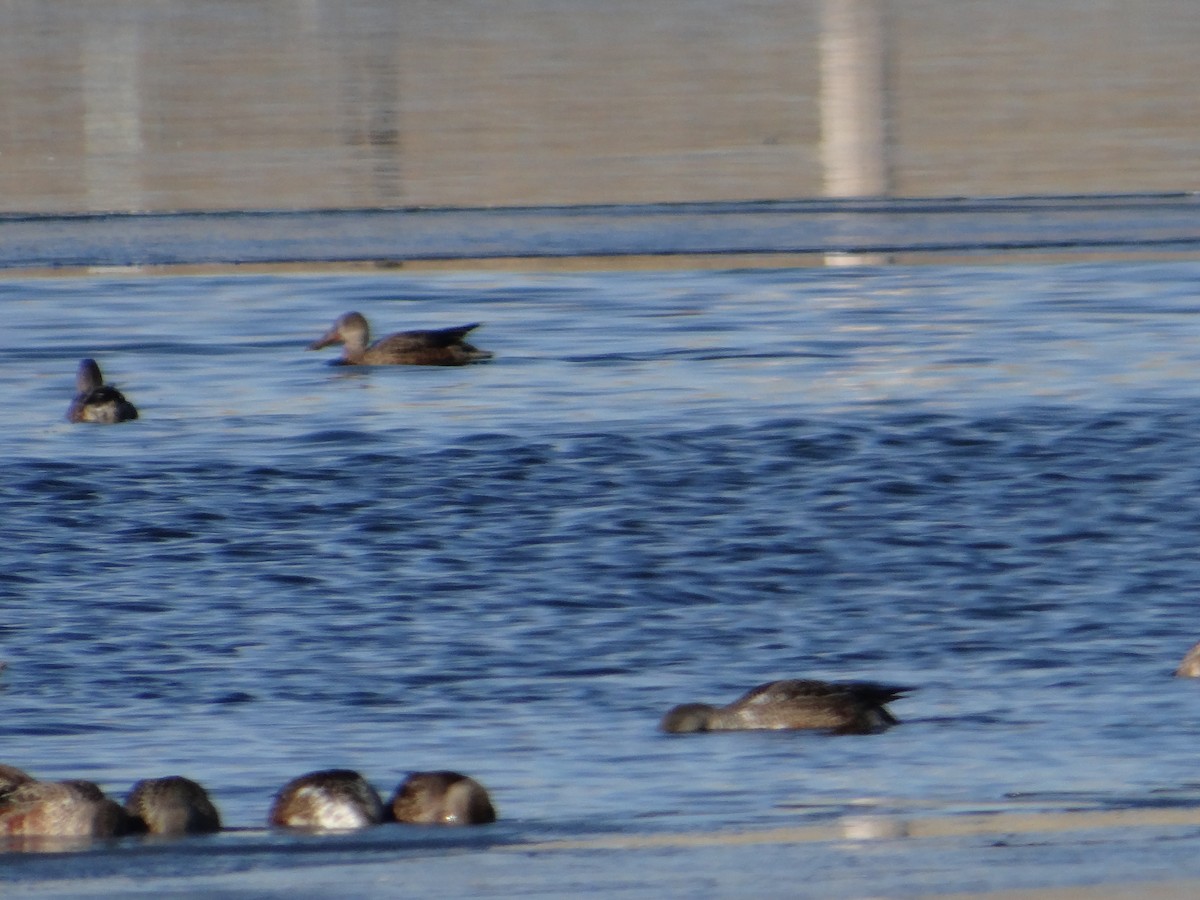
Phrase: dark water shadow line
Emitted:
{"points": [[1180, 244], [784, 206]]}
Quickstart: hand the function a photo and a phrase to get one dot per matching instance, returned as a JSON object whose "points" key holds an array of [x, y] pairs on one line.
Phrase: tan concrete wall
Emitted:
{"points": [[217, 104]]}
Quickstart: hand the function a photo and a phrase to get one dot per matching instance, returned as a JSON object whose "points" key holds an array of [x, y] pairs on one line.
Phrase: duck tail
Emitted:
{"points": [[878, 694]]}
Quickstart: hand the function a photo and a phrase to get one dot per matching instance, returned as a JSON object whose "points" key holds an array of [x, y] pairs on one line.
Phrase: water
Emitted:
{"points": [[666, 487], [793, 232]]}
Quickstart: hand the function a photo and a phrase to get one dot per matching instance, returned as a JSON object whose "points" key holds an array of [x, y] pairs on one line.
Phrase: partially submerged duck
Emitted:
{"points": [[434, 347], [442, 798], [1190, 665], [329, 800], [64, 809], [173, 805], [855, 707], [96, 401]]}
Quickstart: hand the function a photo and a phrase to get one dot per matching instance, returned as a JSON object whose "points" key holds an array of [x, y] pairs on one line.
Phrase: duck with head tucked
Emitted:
{"points": [[96, 401], [434, 347], [329, 800], [64, 809], [442, 798], [855, 707], [173, 805]]}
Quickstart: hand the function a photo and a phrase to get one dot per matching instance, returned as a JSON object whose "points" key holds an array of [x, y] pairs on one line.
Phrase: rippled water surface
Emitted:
{"points": [[666, 487]]}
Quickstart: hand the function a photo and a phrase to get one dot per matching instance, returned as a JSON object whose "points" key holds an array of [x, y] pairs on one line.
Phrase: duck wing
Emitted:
{"points": [[809, 691], [408, 341]]}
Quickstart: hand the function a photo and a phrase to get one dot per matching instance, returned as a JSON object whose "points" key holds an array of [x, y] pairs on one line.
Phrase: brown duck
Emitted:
{"points": [[855, 707], [442, 798], [63, 809], [329, 800], [435, 347], [173, 805], [96, 401]]}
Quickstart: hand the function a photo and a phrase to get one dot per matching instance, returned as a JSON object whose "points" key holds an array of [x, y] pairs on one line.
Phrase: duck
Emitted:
{"points": [[441, 798], [328, 800], [434, 347], [1189, 667], [854, 707], [96, 401], [64, 809], [173, 805]]}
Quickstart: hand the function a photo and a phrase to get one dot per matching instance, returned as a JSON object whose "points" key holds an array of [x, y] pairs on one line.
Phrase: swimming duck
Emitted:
{"points": [[855, 707], [173, 805], [436, 347], [1190, 666], [442, 798], [329, 800], [96, 401], [76, 809]]}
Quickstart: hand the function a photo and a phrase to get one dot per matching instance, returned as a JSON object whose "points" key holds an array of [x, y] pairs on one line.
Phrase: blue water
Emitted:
{"points": [[1135, 224], [666, 487]]}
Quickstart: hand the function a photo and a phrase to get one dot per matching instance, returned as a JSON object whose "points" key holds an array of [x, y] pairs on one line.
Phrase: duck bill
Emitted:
{"points": [[331, 337]]}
